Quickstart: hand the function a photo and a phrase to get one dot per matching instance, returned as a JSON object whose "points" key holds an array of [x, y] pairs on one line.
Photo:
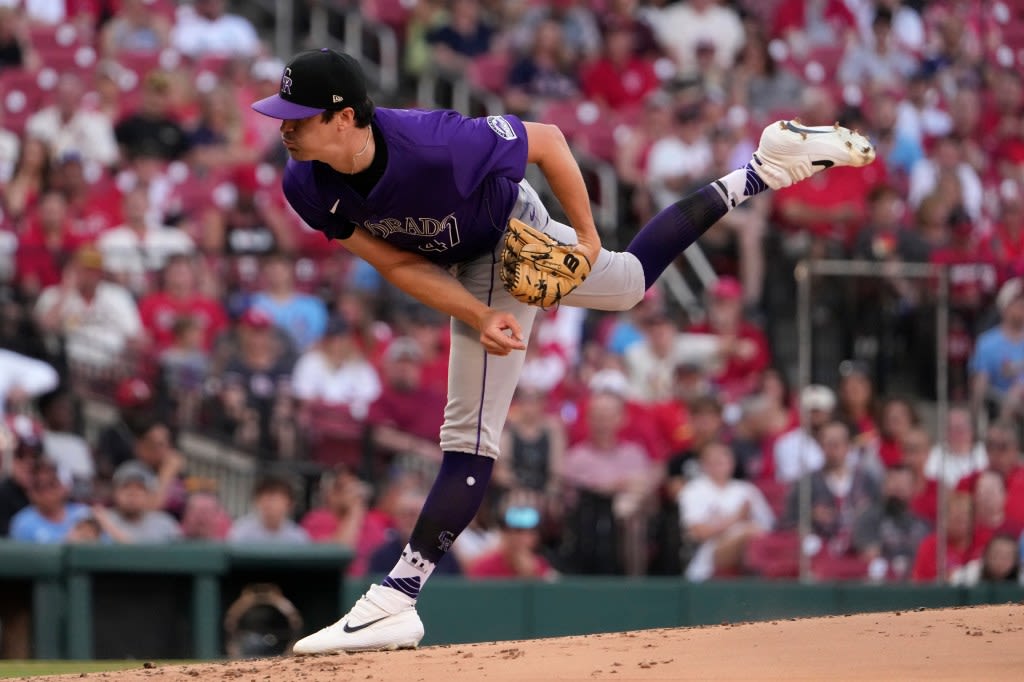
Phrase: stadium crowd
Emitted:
{"points": [[149, 261]]}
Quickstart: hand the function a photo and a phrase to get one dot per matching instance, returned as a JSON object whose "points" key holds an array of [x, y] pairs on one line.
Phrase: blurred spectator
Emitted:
{"points": [[946, 168], [115, 445], [840, 491], [407, 510], [406, 416], [50, 516], [633, 14], [533, 445], [721, 514], [963, 543], [678, 159], [899, 150], [135, 29], [999, 563], [1006, 241], [997, 364], [914, 449], [68, 126], [252, 395], [94, 202], [340, 518], [797, 452], [432, 333], [15, 46], [217, 140], [97, 320], [204, 519], [132, 519], [989, 492], [154, 449], [28, 180], [178, 297], [205, 29], [1002, 447], [963, 454], [706, 426], [760, 83], [889, 532], [62, 445], [614, 478], [46, 245], [651, 363], [251, 224], [20, 440], [516, 555], [302, 316], [762, 422], [547, 73], [466, 35], [633, 152], [335, 372], [152, 127], [683, 28], [621, 78], [579, 27], [808, 24], [483, 535], [881, 62], [856, 407], [742, 352], [886, 237], [898, 418], [270, 522], [23, 378], [184, 366], [134, 251]]}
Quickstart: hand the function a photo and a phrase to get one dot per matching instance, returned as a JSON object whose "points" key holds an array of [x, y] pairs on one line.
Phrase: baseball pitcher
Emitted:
{"points": [[437, 203]]}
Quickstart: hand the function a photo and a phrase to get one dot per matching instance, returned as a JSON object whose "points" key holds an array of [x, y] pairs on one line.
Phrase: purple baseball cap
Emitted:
{"points": [[313, 82]]}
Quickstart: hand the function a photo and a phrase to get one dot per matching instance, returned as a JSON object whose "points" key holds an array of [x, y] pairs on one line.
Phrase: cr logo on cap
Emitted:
{"points": [[286, 82]]}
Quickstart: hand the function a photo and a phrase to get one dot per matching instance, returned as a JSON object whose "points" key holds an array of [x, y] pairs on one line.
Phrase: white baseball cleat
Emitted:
{"points": [[790, 152], [383, 619]]}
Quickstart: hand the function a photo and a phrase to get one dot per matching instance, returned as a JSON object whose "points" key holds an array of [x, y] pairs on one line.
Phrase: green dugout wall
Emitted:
{"points": [[138, 602]]}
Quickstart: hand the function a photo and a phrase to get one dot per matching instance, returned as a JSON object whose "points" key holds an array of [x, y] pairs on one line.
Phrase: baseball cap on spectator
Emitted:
{"points": [[609, 381], [254, 318], [403, 348], [134, 472], [313, 82], [818, 397], [132, 392], [727, 289], [89, 257], [521, 517], [1012, 290]]}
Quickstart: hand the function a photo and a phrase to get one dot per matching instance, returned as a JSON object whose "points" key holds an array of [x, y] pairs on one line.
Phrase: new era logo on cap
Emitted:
{"points": [[337, 98]]}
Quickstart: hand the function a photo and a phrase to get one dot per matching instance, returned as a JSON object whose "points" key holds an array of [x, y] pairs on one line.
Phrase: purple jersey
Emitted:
{"points": [[446, 193]]}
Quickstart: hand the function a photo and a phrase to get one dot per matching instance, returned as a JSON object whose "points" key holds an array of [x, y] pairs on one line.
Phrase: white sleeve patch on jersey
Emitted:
{"points": [[501, 127]]}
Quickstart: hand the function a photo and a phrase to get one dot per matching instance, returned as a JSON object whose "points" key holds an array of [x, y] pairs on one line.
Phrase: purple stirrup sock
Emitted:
{"points": [[669, 233], [451, 504]]}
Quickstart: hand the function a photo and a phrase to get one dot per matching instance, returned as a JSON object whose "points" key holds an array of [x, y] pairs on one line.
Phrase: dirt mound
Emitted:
{"points": [[981, 643]]}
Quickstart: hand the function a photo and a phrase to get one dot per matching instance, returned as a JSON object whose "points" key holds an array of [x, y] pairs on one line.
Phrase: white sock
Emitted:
{"points": [[409, 574], [733, 187]]}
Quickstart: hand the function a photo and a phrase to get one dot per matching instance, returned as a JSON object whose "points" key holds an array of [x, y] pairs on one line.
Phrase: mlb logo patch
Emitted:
{"points": [[501, 127]]}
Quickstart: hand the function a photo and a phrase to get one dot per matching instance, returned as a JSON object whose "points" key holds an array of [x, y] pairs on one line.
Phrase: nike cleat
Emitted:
{"points": [[790, 152], [383, 619]]}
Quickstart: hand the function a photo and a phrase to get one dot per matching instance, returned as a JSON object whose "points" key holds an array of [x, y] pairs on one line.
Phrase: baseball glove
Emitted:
{"points": [[538, 269]]}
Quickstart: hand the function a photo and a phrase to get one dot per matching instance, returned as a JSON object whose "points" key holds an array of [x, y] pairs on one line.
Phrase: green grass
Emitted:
{"points": [[13, 669]]}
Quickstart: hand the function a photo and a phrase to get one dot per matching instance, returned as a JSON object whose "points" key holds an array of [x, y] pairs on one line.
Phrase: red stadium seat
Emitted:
{"points": [[60, 37], [393, 13], [334, 436], [490, 71], [20, 96], [775, 493], [827, 567], [774, 555]]}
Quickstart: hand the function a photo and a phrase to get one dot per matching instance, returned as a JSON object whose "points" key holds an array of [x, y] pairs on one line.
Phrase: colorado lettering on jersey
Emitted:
{"points": [[443, 234]]}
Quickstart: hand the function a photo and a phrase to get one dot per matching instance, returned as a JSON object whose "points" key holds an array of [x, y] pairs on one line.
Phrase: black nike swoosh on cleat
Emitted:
{"points": [[808, 131], [357, 628], [824, 163]]}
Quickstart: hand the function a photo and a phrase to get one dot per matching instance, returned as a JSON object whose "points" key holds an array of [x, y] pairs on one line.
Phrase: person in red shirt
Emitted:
{"points": [[45, 247], [827, 24], [95, 204], [1002, 446], [516, 555], [964, 542], [1006, 242], [620, 79], [179, 297], [915, 447], [743, 350], [857, 403], [973, 278]]}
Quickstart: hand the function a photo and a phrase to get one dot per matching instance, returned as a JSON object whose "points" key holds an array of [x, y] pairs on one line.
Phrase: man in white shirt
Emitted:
{"points": [[139, 246], [679, 159], [797, 452], [335, 372], [206, 29], [721, 513], [682, 27], [97, 319], [68, 127]]}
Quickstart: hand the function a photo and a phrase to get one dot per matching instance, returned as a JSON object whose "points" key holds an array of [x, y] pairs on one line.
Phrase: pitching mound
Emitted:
{"points": [[982, 643]]}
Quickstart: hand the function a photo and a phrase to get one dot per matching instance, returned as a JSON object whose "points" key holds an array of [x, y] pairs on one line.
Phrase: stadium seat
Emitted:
{"points": [[827, 567], [334, 436], [774, 555], [490, 71], [59, 37], [775, 493], [393, 13]]}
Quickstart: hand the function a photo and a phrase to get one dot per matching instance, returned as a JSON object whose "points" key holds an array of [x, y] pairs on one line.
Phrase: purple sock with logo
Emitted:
{"points": [[451, 504], [671, 232]]}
